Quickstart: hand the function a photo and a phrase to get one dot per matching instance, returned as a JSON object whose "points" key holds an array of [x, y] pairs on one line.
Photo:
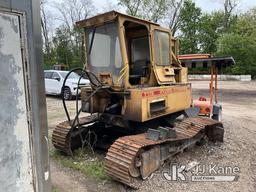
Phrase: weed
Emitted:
{"points": [[55, 189], [84, 161]]}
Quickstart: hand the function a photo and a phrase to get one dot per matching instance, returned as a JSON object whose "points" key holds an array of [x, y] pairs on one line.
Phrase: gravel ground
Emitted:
{"points": [[239, 147]]}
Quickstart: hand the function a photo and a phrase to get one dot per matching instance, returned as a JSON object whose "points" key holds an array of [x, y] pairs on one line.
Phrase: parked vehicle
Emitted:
{"points": [[54, 81]]}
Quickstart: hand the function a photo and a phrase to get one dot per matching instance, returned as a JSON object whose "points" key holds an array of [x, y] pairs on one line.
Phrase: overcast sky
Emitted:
{"points": [[206, 5], [107, 5]]}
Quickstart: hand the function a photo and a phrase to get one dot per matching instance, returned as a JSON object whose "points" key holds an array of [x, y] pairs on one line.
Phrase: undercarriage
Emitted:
{"points": [[136, 156]]}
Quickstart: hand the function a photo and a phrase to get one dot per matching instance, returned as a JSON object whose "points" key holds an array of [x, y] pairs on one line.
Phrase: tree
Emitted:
{"points": [[229, 7], [211, 27], [72, 11], [242, 49], [190, 16], [62, 46], [67, 41], [45, 29], [241, 44], [163, 11], [245, 24], [152, 10], [132, 6], [173, 12]]}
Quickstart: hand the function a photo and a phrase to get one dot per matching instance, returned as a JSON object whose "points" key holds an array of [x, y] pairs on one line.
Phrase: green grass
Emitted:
{"points": [[55, 189], [84, 161]]}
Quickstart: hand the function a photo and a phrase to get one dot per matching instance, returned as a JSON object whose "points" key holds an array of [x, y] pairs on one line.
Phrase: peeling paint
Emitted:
{"points": [[15, 155]]}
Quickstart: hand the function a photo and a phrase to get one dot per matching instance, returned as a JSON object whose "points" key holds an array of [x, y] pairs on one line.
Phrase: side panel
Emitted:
{"points": [[15, 153], [149, 103]]}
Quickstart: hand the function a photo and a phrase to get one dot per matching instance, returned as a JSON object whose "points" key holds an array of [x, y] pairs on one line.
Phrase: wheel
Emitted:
{"points": [[218, 116], [67, 93]]}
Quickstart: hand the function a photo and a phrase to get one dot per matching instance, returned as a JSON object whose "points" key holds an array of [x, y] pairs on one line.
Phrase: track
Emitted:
{"points": [[62, 136], [136, 156]]}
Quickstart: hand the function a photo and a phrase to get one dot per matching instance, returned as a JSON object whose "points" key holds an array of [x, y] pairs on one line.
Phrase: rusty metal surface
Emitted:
{"points": [[150, 161], [106, 18], [122, 156], [61, 134], [60, 138]]}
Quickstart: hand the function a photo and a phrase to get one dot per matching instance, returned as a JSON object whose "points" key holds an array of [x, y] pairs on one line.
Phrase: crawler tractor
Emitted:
{"points": [[139, 101]]}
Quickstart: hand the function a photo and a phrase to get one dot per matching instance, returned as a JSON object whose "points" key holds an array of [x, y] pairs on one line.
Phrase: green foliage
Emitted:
{"points": [[55, 189], [242, 48], [62, 42], [198, 32], [211, 27], [190, 18], [246, 24], [84, 161], [241, 44], [204, 33], [66, 50]]}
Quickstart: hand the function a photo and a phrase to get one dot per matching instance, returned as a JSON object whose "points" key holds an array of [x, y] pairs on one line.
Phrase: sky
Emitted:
{"points": [[107, 5], [205, 5]]}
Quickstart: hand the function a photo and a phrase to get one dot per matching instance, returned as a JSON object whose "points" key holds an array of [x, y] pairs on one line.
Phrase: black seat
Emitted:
{"points": [[139, 68]]}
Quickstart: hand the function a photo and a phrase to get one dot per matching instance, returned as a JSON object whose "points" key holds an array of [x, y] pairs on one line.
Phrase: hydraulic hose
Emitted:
{"points": [[63, 88]]}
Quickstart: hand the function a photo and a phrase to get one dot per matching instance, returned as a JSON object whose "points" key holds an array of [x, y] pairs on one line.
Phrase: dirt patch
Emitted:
{"points": [[239, 148], [69, 180]]}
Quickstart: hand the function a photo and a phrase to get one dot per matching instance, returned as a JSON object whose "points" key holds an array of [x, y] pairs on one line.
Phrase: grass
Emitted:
{"points": [[55, 189], [84, 161]]}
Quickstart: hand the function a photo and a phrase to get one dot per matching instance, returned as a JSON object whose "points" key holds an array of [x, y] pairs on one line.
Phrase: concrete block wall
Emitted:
{"points": [[222, 77]]}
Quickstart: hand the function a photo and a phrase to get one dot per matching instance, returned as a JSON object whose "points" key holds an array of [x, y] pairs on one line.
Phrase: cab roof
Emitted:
{"points": [[108, 17]]}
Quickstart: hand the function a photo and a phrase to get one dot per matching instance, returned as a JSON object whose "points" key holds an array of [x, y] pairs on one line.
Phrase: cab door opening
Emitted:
{"points": [[137, 41]]}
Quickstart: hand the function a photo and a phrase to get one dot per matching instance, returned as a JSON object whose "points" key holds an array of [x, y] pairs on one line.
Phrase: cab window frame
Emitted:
{"points": [[158, 47]]}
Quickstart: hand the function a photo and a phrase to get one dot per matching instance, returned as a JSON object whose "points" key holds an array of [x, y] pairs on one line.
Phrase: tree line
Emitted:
{"points": [[221, 33]]}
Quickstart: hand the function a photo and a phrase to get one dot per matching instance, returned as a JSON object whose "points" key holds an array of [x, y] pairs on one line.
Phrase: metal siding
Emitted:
{"points": [[36, 97], [15, 155]]}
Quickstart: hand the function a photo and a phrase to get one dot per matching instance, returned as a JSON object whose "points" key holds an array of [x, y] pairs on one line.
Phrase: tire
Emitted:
{"points": [[67, 93], [218, 116]]}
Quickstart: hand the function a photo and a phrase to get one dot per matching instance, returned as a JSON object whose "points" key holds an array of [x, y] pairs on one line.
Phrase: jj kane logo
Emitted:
{"points": [[202, 173]]}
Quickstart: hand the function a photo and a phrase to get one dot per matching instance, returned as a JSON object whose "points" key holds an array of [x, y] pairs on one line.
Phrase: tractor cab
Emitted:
{"points": [[138, 61], [127, 52]]}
